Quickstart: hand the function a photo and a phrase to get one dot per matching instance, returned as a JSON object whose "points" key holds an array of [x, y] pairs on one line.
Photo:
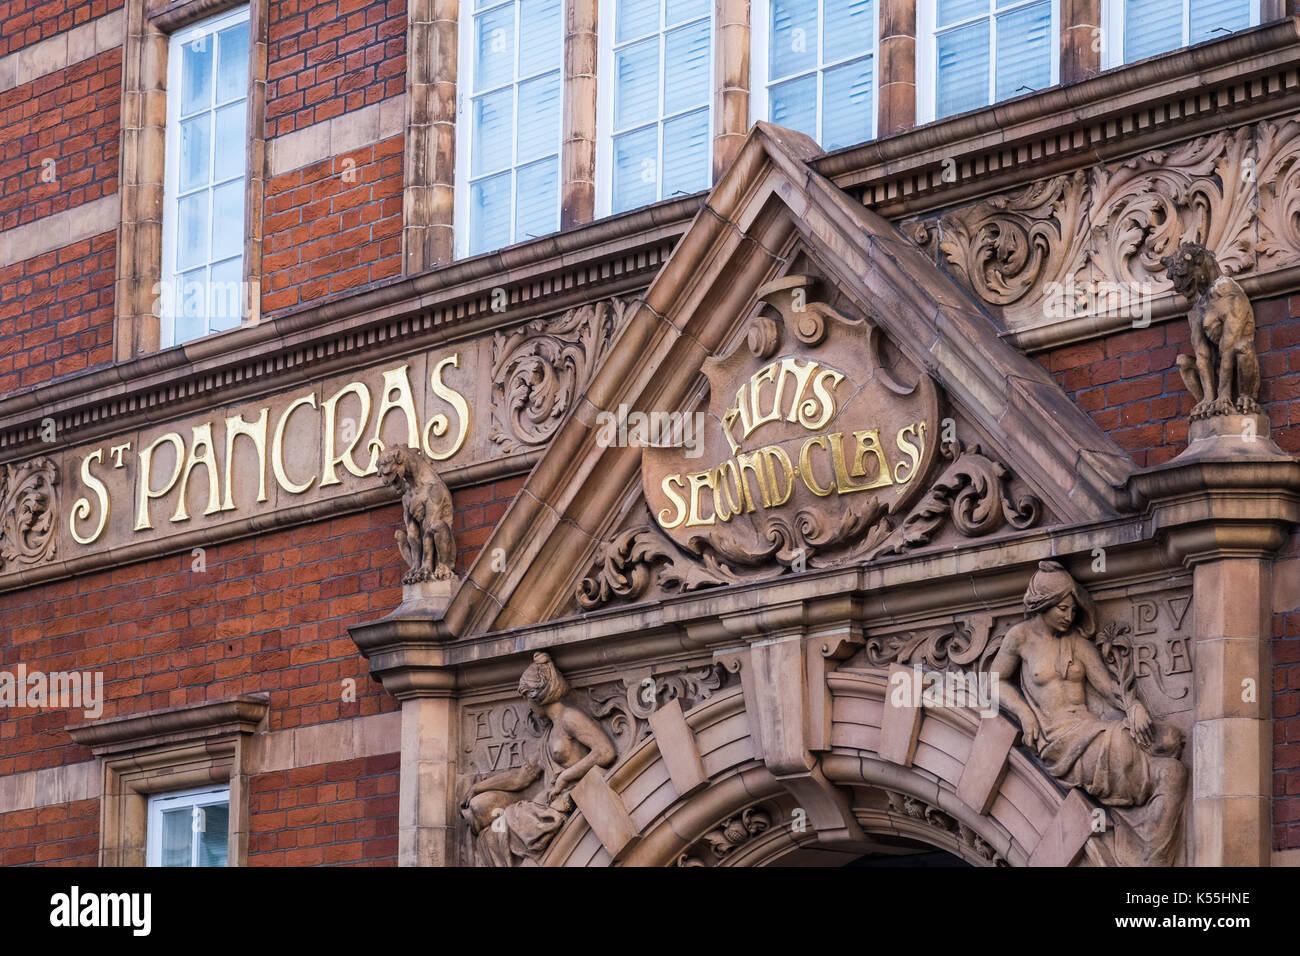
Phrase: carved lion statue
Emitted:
{"points": [[425, 538], [1221, 320]]}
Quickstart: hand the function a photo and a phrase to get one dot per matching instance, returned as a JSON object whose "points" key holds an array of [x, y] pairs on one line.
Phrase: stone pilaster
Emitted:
{"points": [[429, 157], [730, 81], [578, 150], [1223, 507], [896, 67], [405, 651], [1081, 39]]}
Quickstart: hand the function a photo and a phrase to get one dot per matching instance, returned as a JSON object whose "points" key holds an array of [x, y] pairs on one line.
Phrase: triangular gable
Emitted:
{"points": [[768, 217]]}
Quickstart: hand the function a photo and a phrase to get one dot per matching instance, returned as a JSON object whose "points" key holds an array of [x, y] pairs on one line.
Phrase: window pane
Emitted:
{"points": [[232, 63], [636, 18], [537, 198], [226, 296], [230, 141], [686, 59], [228, 219], [850, 29], [686, 153], [1208, 15], [489, 213], [677, 11], [196, 75], [492, 122], [494, 54], [794, 104], [794, 37], [1024, 55], [1151, 27], [539, 117], [636, 84], [192, 231], [539, 28], [846, 104], [963, 81], [177, 827], [190, 305], [196, 146], [636, 169], [215, 835], [950, 11]]}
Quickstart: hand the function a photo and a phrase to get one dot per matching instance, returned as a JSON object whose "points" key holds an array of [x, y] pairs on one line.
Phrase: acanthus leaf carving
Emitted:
{"points": [[29, 513], [625, 705], [1003, 247], [1146, 206], [539, 370], [973, 493], [1279, 193]]}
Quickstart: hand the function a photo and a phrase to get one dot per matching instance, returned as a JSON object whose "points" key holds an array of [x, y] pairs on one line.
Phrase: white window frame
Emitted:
{"points": [[171, 171], [464, 125], [195, 799], [760, 31], [1112, 25], [927, 54], [605, 101]]}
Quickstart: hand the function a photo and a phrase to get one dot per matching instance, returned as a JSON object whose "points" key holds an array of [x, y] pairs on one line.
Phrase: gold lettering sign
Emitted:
{"points": [[315, 443], [802, 438]]}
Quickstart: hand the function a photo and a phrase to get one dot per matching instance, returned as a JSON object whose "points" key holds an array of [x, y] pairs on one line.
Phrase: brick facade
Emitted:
{"points": [[333, 226], [332, 57], [56, 313], [59, 138], [269, 614]]}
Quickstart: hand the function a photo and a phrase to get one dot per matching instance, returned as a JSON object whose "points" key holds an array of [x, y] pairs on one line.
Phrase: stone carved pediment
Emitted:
{"points": [[898, 352]]}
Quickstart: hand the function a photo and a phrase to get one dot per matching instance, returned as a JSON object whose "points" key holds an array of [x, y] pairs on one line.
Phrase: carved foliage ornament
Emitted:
{"points": [[29, 514], [1090, 242], [538, 370]]}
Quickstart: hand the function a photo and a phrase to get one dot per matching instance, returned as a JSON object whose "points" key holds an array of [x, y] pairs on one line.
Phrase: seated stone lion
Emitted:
{"points": [[426, 539], [1221, 319]]}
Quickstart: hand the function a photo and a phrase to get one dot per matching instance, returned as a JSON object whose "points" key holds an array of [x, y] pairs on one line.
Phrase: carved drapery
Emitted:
{"points": [[29, 514], [538, 370], [1090, 242]]}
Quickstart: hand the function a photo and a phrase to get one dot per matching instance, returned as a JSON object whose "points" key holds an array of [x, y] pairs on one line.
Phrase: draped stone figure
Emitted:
{"points": [[510, 826], [1045, 666]]}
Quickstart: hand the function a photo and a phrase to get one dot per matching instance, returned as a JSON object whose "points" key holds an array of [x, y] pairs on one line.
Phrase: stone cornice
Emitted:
{"points": [[415, 658], [1250, 75], [172, 725], [610, 257]]}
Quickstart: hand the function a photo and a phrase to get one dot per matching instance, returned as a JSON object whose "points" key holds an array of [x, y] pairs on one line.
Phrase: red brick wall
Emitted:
{"points": [[66, 834], [327, 814], [56, 313], [333, 226], [24, 22], [268, 615], [1130, 386], [328, 57], [72, 117]]}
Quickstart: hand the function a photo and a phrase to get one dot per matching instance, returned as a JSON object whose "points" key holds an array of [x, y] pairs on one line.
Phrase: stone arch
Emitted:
{"points": [[700, 769]]}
